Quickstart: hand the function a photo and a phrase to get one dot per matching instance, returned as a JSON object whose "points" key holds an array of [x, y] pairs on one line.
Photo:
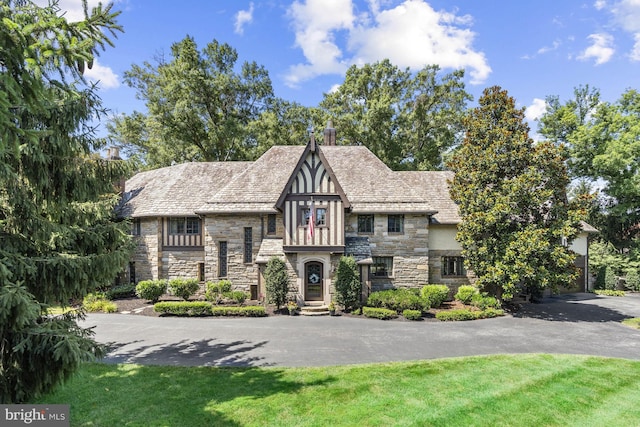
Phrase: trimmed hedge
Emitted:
{"points": [[204, 308], [435, 295], [412, 314], [183, 288], [247, 311], [397, 300], [183, 308], [466, 314], [379, 313], [151, 290]]}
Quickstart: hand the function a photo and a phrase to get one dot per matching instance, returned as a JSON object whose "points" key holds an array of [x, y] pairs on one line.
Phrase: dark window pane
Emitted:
{"points": [[248, 244], [396, 224], [222, 259], [271, 224], [365, 223]]}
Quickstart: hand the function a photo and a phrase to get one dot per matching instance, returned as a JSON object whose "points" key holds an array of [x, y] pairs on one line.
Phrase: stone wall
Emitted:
{"points": [[435, 271], [181, 263], [230, 228], [148, 250], [409, 249]]}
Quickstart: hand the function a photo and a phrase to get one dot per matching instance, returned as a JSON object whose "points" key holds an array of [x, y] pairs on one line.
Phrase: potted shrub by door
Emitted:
{"points": [[293, 307], [332, 309]]}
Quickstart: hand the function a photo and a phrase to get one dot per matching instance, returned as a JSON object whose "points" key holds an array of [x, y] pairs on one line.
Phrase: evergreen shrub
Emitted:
{"points": [[460, 314], [151, 290], [397, 300], [483, 301], [183, 288], [412, 314], [379, 313], [121, 291], [183, 308], [247, 311], [465, 294], [214, 290], [434, 295]]}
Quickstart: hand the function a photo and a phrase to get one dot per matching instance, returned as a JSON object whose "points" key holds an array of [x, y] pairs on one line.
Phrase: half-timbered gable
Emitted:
{"points": [[313, 193]]}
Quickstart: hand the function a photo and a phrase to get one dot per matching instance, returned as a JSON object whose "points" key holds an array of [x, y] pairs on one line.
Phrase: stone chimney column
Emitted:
{"points": [[330, 134]]}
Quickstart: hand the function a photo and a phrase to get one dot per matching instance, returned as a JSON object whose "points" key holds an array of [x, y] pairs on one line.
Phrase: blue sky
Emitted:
{"points": [[531, 48]]}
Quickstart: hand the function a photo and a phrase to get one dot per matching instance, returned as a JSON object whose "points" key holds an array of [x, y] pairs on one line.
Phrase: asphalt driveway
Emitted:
{"points": [[570, 324]]}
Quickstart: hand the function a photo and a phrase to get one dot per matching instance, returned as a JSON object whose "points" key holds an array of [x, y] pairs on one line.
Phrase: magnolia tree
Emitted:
{"points": [[517, 222]]}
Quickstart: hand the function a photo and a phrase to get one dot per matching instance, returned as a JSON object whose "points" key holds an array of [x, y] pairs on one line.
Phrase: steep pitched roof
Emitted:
{"points": [[312, 147], [370, 185], [433, 186], [256, 189], [176, 190]]}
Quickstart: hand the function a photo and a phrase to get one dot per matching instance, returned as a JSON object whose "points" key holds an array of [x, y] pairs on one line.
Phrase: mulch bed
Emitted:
{"points": [[140, 307]]}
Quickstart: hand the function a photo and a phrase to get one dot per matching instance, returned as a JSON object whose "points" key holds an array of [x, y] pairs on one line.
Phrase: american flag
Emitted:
{"points": [[312, 221]]}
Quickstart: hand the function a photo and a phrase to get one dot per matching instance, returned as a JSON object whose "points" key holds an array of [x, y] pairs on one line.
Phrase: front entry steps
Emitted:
{"points": [[314, 309]]}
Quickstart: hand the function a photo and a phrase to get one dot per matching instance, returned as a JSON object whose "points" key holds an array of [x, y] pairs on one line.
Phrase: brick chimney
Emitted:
{"points": [[329, 134]]}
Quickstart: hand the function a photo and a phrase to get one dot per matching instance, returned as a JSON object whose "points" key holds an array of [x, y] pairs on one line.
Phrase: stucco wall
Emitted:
{"points": [[443, 237]]}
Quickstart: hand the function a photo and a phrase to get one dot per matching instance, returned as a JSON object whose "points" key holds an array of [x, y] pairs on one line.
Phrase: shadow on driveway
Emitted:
{"points": [[186, 353], [581, 307]]}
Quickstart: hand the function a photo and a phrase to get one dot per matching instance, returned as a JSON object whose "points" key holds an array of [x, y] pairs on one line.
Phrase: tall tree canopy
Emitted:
{"points": [[511, 193], [282, 123], [59, 236], [604, 143], [198, 106], [409, 120]]}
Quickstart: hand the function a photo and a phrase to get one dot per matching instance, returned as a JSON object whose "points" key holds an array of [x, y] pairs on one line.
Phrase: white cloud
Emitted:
{"points": [[554, 46], [72, 9], [412, 34], [600, 4], [315, 23], [104, 75], [243, 17], [635, 52], [627, 13], [536, 109], [601, 49]]}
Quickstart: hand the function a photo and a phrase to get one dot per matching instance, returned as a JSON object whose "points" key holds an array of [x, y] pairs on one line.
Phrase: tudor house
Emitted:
{"points": [[308, 205]]}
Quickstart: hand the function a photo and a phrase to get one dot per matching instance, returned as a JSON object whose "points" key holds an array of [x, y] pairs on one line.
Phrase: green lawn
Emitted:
{"points": [[519, 390]]}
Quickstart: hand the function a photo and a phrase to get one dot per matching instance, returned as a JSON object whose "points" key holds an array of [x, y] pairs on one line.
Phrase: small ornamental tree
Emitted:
{"points": [[348, 287], [276, 282], [517, 222]]}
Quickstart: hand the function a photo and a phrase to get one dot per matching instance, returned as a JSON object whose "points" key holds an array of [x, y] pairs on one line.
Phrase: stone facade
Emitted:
{"points": [[230, 228], [181, 263], [148, 252], [409, 249]]}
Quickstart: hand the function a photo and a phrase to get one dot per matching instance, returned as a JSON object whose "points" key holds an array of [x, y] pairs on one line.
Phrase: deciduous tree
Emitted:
{"points": [[604, 143], [511, 192], [409, 120], [60, 239], [198, 105]]}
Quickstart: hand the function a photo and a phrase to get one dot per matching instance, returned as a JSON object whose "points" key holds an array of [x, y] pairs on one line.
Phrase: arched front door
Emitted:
{"points": [[313, 281]]}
